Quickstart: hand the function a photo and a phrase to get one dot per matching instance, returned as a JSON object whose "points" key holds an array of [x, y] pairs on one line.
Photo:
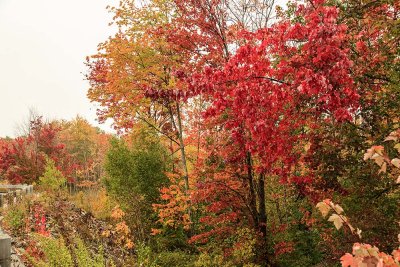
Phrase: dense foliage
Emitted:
{"points": [[248, 135], [276, 113], [135, 174]]}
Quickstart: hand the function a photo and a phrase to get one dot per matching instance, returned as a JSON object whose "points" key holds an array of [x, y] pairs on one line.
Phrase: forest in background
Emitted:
{"points": [[248, 135]]}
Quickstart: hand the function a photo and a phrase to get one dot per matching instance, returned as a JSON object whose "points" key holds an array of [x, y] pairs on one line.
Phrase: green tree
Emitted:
{"points": [[135, 173], [52, 179]]}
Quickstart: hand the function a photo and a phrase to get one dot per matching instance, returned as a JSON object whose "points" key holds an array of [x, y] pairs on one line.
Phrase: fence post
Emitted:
{"points": [[5, 250]]}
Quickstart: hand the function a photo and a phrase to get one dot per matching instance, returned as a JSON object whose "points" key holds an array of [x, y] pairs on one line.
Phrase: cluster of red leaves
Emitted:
{"points": [[22, 160], [33, 250], [283, 247], [283, 77], [221, 199], [36, 223], [372, 28], [281, 81], [39, 220], [197, 35]]}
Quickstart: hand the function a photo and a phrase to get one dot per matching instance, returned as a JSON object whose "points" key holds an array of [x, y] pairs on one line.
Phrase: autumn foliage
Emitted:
{"points": [[248, 134], [270, 115], [23, 159]]}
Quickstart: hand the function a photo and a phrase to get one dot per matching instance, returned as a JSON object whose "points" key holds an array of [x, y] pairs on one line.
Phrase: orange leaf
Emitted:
{"points": [[347, 260]]}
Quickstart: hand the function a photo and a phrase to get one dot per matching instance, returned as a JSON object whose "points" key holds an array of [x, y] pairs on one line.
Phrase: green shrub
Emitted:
{"points": [[56, 253], [52, 179], [207, 260], [175, 258], [171, 239], [84, 257], [134, 176], [145, 257], [135, 171], [15, 217]]}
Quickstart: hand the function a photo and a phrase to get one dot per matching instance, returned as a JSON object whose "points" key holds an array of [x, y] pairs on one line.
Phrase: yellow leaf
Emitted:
{"points": [[393, 136], [338, 209], [396, 162], [383, 168], [323, 208], [307, 146], [337, 220], [368, 154], [129, 244], [397, 146], [377, 157], [106, 233], [373, 152]]}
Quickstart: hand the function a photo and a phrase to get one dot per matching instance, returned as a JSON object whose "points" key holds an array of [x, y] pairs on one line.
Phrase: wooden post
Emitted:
{"points": [[18, 194], [2, 199], [5, 250], [14, 197]]}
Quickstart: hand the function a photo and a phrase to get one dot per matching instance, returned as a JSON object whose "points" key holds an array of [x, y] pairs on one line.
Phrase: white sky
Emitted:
{"points": [[43, 45]]}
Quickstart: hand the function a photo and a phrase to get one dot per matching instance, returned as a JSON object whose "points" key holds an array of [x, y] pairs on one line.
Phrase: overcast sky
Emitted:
{"points": [[43, 45]]}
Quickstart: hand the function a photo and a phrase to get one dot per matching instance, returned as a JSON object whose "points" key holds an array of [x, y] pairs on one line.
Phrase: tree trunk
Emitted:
{"points": [[262, 213], [182, 147], [252, 194], [179, 133]]}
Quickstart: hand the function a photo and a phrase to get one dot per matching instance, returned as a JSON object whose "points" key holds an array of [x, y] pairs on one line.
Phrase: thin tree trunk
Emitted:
{"points": [[179, 133], [261, 205], [265, 251], [198, 130], [252, 194]]}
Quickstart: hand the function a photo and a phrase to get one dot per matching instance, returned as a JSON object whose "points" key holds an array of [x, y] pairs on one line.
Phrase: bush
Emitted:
{"points": [[52, 180], [136, 171], [134, 176], [95, 201], [175, 258], [145, 257], [84, 258], [207, 260], [55, 252], [15, 217]]}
